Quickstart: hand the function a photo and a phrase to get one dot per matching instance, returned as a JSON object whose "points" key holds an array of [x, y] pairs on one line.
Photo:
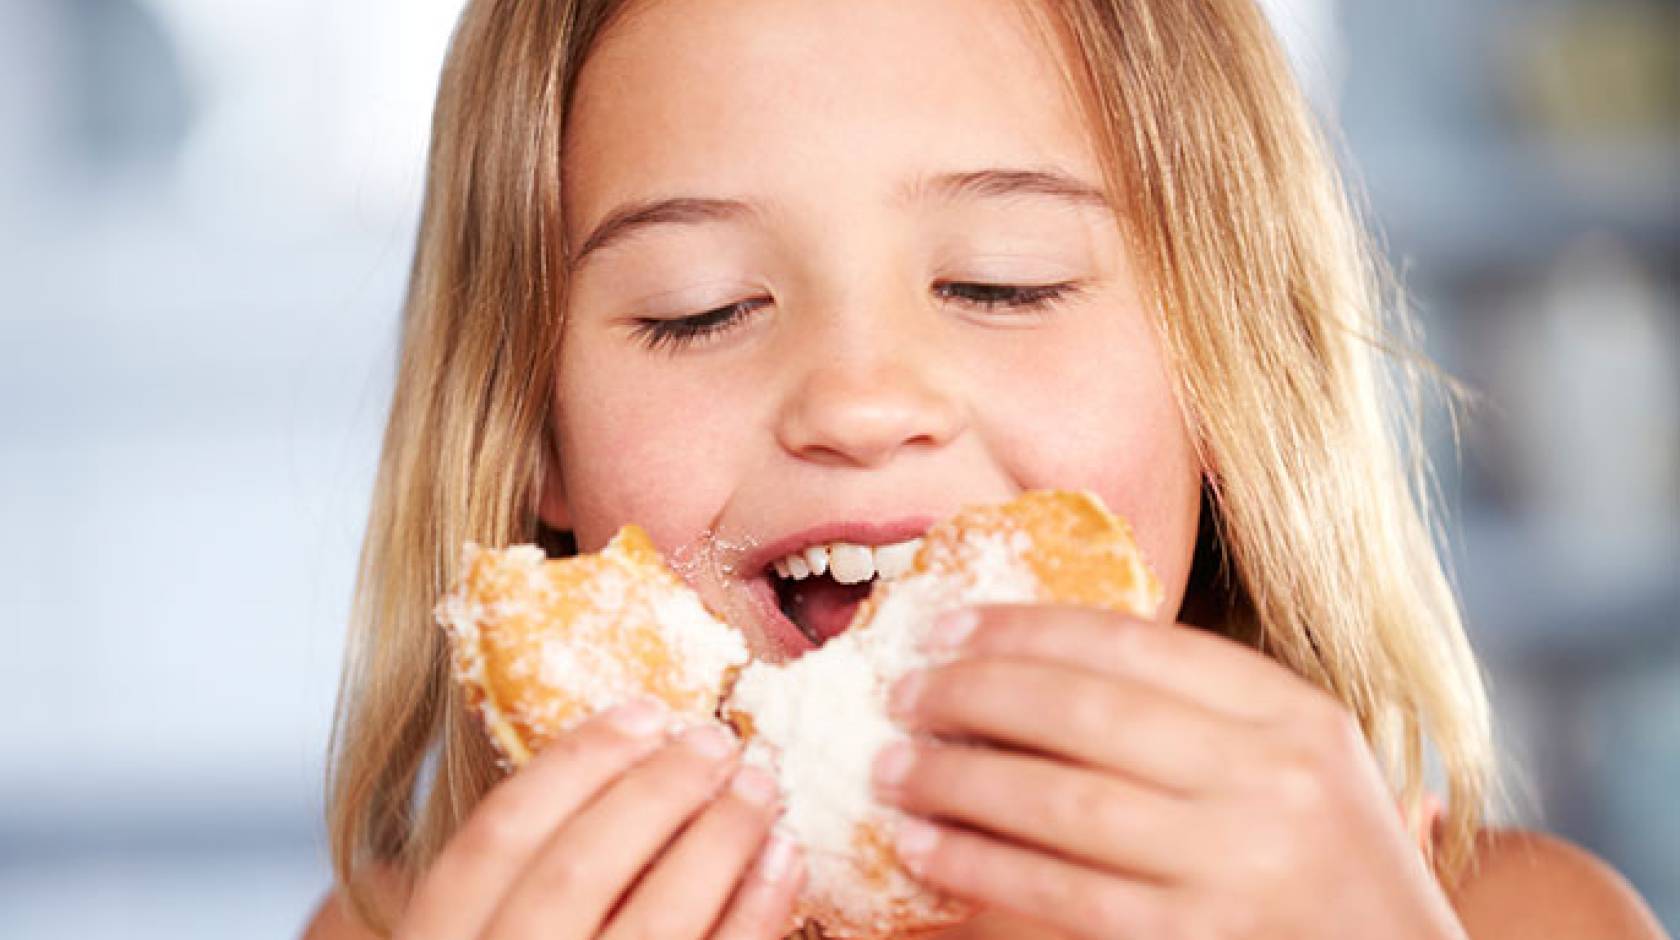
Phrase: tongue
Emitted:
{"points": [[824, 606]]}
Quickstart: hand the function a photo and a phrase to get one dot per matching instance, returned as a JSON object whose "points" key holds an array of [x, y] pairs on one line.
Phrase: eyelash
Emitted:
{"points": [[681, 332]]}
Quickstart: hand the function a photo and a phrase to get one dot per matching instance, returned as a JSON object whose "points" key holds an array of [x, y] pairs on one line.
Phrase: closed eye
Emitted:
{"points": [[681, 332], [678, 333], [990, 296]]}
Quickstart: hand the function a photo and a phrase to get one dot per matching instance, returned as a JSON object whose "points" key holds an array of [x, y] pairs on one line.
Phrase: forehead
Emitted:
{"points": [[813, 99]]}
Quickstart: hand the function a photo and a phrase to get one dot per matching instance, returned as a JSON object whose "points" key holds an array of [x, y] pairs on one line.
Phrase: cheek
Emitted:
{"points": [[1111, 424], [633, 453], [1156, 486]]}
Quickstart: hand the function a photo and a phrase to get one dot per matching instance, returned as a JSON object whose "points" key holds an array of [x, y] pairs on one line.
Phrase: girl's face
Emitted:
{"points": [[864, 185]]}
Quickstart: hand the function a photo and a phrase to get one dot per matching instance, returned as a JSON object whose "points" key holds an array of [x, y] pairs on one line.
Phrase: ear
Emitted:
{"points": [[551, 502]]}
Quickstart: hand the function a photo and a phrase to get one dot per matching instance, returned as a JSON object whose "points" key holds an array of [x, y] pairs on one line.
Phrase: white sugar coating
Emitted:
{"points": [[594, 671], [584, 662], [703, 646], [819, 721]]}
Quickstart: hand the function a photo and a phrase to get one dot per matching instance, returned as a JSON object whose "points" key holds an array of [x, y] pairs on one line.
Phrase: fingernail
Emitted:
{"points": [[905, 693], [775, 862], [639, 717], [914, 840], [892, 764], [950, 629], [753, 786], [709, 741]]}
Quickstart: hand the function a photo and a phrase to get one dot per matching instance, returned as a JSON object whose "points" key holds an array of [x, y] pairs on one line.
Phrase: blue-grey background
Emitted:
{"points": [[206, 214]]}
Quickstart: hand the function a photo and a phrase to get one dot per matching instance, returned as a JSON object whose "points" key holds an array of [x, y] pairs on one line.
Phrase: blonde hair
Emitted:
{"points": [[1303, 400]]}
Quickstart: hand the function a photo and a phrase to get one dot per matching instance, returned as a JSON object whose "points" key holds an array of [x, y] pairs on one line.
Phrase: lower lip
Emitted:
{"points": [[783, 633]]}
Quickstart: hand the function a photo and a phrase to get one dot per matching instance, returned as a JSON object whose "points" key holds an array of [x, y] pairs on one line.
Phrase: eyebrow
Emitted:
{"points": [[993, 183]]}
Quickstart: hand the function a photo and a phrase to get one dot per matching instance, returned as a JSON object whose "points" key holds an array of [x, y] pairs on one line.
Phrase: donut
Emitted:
{"points": [[541, 645]]}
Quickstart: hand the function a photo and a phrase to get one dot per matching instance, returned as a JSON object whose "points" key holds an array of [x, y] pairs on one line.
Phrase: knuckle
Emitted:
{"points": [[951, 862], [929, 777], [496, 832], [758, 907], [1101, 905], [751, 805], [739, 821], [1317, 751], [1219, 918], [678, 776], [1159, 919], [571, 745], [1090, 712], [1325, 725], [1110, 647], [965, 690], [1298, 786], [966, 680], [562, 872], [1340, 735], [1137, 644], [1269, 858], [930, 697], [587, 746], [566, 750], [1079, 805], [1047, 892], [660, 924], [996, 631], [1104, 812], [1109, 908]]}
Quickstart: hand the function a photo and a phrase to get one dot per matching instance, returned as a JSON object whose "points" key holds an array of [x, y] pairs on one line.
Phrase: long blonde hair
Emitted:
{"points": [[1293, 358]]}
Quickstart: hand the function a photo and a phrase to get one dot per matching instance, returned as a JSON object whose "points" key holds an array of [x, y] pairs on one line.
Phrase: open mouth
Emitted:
{"points": [[821, 607], [819, 588]]}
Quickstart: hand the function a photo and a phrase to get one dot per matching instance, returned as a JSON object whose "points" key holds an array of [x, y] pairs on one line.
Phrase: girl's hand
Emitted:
{"points": [[1140, 780], [610, 831]]}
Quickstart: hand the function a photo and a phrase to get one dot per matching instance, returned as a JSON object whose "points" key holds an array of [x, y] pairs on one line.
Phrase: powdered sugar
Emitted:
{"points": [[629, 627], [702, 646], [820, 720], [589, 632]]}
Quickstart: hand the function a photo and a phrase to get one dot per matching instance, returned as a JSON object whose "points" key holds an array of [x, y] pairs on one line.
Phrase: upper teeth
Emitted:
{"points": [[848, 562]]}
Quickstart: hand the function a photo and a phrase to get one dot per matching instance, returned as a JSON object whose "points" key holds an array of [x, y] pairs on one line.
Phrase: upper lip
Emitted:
{"points": [[860, 533]]}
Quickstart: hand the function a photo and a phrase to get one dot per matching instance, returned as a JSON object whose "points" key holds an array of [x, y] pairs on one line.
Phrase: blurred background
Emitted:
{"points": [[207, 211]]}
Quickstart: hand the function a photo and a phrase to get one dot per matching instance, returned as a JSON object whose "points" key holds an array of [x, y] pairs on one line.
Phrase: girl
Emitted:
{"points": [[738, 270]]}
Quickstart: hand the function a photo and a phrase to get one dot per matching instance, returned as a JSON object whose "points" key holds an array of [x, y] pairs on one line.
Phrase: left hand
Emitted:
{"points": [[1121, 778]]}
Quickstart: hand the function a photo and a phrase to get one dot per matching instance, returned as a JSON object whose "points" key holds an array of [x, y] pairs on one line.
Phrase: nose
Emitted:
{"points": [[867, 387]]}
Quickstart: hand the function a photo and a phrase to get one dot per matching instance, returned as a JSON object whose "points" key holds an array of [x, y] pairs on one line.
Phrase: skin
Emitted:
{"points": [[859, 386]]}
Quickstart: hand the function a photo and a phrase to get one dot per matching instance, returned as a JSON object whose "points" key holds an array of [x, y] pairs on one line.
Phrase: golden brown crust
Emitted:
{"points": [[1079, 551], [512, 613]]}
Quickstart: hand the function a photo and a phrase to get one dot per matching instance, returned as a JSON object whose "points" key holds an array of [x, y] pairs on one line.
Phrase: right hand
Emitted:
{"points": [[613, 832]]}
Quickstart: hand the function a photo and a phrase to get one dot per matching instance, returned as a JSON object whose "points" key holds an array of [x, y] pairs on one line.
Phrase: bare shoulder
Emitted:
{"points": [[336, 919], [1532, 885]]}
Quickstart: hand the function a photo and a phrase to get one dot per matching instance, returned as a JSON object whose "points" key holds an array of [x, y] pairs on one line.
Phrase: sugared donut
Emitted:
{"points": [[819, 721], [545, 644], [541, 644]]}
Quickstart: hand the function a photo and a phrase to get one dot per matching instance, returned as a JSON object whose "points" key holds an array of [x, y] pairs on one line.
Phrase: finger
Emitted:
{"points": [[1211, 670], [1033, 884], [579, 875], [1092, 817], [687, 889], [1106, 722], [762, 907], [512, 821]]}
